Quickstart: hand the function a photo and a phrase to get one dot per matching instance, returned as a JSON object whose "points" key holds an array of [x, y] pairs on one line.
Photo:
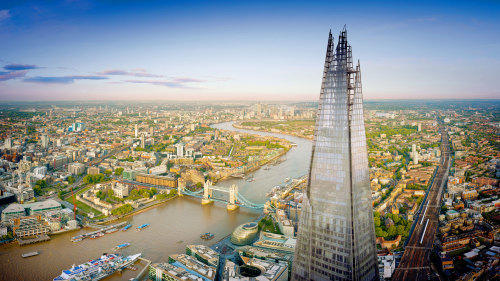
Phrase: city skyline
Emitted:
{"points": [[89, 50]]}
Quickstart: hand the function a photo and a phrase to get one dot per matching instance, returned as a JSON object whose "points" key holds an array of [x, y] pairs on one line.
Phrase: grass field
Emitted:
{"points": [[84, 207]]}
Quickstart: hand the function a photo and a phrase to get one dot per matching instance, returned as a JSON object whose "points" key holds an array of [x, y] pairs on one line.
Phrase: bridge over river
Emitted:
{"points": [[231, 196], [173, 225]]}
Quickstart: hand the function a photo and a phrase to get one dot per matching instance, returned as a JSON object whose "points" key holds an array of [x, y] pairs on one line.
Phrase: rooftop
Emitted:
{"points": [[15, 207]]}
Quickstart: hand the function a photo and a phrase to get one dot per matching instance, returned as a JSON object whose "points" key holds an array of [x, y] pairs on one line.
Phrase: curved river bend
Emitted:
{"points": [[174, 224]]}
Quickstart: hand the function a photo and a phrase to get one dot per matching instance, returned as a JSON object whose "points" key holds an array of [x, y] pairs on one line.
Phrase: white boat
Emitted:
{"points": [[97, 269], [30, 254]]}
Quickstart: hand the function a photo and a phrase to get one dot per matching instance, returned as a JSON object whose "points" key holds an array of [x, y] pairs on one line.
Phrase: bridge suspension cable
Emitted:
{"points": [[248, 203]]}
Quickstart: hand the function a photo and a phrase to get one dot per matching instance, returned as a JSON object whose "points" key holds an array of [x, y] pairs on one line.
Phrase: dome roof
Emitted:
{"points": [[245, 233]]}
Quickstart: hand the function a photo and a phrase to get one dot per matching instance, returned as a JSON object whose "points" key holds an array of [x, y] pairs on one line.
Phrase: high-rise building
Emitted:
{"points": [[136, 130], [8, 143], [336, 235], [143, 141], [45, 141], [180, 149]]}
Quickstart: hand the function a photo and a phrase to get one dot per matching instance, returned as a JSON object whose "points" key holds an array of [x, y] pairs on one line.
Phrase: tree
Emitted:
{"points": [[396, 219], [199, 185], [61, 194], [100, 195], [127, 208], [41, 183], [71, 179], [169, 165], [400, 230], [391, 231], [419, 200], [108, 172], [87, 179], [376, 221], [37, 189], [379, 232], [118, 171]]}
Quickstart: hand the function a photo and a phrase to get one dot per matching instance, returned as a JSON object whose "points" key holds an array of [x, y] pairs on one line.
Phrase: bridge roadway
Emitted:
{"points": [[415, 263]]}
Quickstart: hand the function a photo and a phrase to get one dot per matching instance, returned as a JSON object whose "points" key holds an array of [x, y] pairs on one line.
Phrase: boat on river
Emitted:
{"points": [[30, 254], [112, 230], [207, 236], [97, 269], [121, 246], [127, 227], [142, 226], [77, 238], [97, 235]]}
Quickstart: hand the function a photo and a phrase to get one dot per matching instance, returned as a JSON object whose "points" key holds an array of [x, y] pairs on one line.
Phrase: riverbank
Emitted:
{"points": [[137, 211], [238, 125], [179, 220]]}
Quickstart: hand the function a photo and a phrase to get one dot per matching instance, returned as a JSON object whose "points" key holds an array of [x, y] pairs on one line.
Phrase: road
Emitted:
{"points": [[415, 263]]}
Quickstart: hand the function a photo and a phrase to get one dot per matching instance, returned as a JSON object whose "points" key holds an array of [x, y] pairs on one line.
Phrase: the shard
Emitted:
{"points": [[336, 235]]}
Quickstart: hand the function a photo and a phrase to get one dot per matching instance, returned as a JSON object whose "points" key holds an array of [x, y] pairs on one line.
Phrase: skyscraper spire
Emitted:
{"points": [[336, 236]]}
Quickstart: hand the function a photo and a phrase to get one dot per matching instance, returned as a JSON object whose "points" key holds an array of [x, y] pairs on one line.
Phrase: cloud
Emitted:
{"points": [[187, 80], [136, 72], [8, 75], [20, 66], [179, 82], [4, 14], [169, 84], [62, 79]]}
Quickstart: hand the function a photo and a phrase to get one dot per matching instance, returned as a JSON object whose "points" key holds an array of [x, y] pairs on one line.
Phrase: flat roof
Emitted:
{"points": [[13, 208]]}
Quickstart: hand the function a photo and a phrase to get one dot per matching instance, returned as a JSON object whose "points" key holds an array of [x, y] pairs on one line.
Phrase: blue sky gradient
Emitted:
{"points": [[244, 50]]}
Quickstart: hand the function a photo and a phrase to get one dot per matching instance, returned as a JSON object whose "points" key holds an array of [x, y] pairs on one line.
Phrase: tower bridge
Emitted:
{"points": [[229, 195]]}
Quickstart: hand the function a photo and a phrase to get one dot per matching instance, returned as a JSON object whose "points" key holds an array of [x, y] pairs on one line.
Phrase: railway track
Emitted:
{"points": [[415, 263]]}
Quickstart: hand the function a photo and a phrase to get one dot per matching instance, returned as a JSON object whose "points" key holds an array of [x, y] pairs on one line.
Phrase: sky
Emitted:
{"points": [[244, 50]]}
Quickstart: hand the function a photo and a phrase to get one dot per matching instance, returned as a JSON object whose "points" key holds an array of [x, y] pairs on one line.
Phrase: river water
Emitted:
{"points": [[174, 224]]}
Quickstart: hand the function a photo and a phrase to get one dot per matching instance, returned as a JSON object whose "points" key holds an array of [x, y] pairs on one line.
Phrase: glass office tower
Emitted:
{"points": [[336, 235]]}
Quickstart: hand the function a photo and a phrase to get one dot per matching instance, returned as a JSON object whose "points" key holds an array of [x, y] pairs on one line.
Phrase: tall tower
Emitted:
{"points": [[336, 235], [45, 141], [143, 141]]}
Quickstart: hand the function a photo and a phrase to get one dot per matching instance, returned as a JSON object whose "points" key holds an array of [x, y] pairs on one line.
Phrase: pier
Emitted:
{"points": [[88, 234], [144, 271], [37, 239]]}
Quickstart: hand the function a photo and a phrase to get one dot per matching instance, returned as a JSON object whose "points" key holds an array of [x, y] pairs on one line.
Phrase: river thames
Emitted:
{"points": [[175, 224]]}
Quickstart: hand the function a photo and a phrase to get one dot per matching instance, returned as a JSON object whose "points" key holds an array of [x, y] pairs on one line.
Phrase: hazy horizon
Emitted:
{"points": [[261, 51]]}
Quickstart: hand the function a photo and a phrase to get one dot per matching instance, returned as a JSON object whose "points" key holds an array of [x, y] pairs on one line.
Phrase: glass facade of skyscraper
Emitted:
{"points": [[336, 238]]}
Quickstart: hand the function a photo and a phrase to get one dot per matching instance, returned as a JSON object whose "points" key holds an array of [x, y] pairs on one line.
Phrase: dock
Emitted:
{"points": [[39, 238], [88, 234], [144, 271]]}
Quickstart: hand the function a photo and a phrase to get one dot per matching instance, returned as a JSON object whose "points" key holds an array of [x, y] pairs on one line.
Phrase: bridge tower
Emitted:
{"points": [[233, 193], [180, 188], [207, 193]]}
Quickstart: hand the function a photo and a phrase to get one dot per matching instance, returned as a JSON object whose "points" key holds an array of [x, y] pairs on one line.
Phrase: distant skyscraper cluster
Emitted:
{"points": [[336, 236]]}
